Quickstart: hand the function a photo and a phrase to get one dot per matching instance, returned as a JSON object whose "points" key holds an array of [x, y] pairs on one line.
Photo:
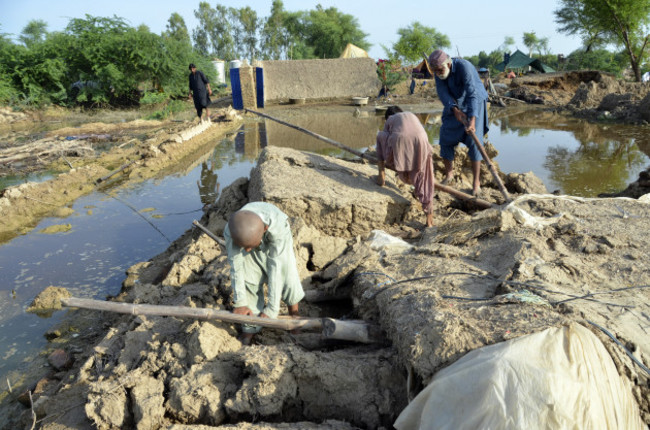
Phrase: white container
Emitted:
{"points": [[220, 67], [360, 101], [235, 64]]}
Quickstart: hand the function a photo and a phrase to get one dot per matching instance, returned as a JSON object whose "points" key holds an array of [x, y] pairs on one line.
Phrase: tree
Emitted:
{"points": [[176, 28], [328, 32], [249, 22], [34, 32], [531, 42], [508, 41], [274, 33], [573, 20], [624, 22], [201, 35], [416, 40]]}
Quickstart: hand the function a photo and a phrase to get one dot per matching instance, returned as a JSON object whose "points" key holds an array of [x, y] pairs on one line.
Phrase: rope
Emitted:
{"points": [[627, 351]]}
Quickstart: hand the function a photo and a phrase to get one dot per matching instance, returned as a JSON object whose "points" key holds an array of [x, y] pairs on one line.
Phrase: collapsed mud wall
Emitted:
{"points": [[320, 79]]}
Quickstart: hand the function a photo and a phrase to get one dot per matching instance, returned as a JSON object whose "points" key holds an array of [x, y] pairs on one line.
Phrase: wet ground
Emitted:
{"points": [[109, 231]]}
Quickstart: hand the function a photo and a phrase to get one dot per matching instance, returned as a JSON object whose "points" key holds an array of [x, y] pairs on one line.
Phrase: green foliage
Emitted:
{"points": [[328, 31], [171, 108], [624, 22], [176, 29], [98, 61], [153, 98], [390, 73], [34, 32], [597, 59], [274, 37], [417, 39]]}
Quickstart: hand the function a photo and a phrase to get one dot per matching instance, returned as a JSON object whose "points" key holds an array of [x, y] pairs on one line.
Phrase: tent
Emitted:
{"points": [[352, 51], [519, 60], [421, 71]]}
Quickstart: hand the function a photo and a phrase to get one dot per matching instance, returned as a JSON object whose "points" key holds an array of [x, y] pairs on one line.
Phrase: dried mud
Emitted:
{"points": [[475, 279]]}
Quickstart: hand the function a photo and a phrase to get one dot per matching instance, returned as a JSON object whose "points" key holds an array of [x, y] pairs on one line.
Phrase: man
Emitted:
{"points": [[404, 146], [200, 90], [465, 110], [260, 249]]}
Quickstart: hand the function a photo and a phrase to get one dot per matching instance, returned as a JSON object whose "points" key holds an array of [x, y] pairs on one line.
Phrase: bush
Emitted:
{"points": [[154, 98], [173, 107]]}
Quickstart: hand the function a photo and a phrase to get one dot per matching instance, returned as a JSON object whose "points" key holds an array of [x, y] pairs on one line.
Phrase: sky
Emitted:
{"points": [[471, 25]]}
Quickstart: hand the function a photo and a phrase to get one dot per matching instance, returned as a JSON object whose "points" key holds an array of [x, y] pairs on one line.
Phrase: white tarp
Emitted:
{"points": [[560, 378]]}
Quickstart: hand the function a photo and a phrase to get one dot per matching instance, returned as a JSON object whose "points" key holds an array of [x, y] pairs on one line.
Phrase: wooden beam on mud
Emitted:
{"points": [[458, 194], [211, 235], [114, 172], [353, 330]]}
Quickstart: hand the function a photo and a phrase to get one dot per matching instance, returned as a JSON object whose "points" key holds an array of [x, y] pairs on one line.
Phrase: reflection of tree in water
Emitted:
{"points": [[593, 168]]}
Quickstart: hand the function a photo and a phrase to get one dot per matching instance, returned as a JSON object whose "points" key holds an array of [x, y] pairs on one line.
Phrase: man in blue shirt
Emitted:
{"points": [[465, 110]]}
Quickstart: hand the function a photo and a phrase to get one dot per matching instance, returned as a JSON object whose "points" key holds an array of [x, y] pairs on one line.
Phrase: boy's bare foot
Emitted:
{"points": [[246, 339]]}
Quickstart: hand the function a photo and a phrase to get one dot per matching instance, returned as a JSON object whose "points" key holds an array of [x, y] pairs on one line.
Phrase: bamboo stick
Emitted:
{"points": [[318, 136], [212, 236], [282, 323]]}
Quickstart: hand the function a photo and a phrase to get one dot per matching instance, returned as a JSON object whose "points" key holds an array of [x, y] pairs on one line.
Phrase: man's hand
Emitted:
{"points": [[460, 115], [263, 315], [471, 127], [243, 310]]}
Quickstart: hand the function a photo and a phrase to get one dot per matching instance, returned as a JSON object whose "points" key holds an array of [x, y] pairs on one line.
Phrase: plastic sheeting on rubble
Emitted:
{"points": [[560, 378], [381, 241]]}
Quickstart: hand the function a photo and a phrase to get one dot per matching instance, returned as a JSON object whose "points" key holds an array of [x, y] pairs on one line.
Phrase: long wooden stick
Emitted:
{"points": [[337, 329], [481, 149], [187, 312], [318, 136], [458, 194], [114, 172], [213, 236]]}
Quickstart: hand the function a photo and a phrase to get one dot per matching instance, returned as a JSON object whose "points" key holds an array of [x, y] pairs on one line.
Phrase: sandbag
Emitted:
{"points": [[560, 378]]}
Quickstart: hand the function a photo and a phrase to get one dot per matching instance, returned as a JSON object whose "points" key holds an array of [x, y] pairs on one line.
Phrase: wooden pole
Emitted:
{"points": [[483, 204], [481, 149], [115, 172], [352, 330], [282, 323], [212, 236], [458, 194], [318, 136]]}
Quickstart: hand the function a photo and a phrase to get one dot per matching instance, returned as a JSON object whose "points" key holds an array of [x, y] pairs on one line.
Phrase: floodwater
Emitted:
{"points": [[117, 227]]}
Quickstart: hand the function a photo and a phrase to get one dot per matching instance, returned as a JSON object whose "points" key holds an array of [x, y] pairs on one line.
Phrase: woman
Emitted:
{"points": [[404, 147]]}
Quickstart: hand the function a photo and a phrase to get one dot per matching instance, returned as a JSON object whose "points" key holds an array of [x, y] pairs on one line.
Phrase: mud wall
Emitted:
{"points": [[319, 79]]}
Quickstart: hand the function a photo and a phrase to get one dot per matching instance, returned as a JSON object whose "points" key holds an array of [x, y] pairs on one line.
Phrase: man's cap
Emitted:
{"points": [[437, 58]]}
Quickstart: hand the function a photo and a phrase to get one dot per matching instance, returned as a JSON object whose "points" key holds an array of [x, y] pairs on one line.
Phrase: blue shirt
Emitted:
{"points": [[463, 88]]}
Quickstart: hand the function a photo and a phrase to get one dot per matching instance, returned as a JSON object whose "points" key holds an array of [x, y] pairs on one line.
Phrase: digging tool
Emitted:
{"points": [[458, 194], [481, 149], [353, 330]]}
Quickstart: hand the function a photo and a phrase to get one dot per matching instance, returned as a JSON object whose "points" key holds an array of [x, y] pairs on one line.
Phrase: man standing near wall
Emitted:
{"points": [[465, 110], [200, 91]]}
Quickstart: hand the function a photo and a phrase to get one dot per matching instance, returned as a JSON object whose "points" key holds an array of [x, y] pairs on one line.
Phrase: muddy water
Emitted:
{"points": [[113, 229]]}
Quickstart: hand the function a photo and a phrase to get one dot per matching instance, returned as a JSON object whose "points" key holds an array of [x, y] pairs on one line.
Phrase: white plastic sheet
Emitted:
{"points": [[560, 378]]}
